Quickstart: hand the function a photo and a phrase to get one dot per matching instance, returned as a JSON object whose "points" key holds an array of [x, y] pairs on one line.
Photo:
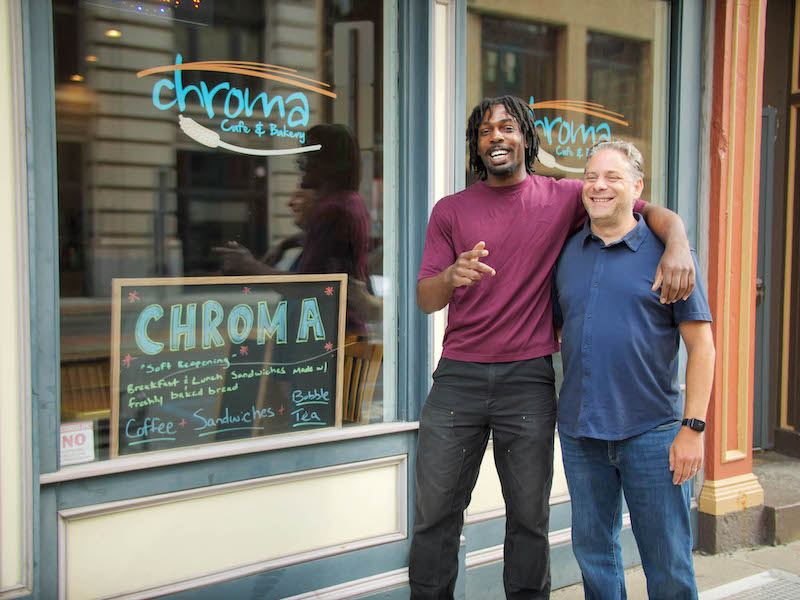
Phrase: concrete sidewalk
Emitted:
{"points": [[735, 568]]}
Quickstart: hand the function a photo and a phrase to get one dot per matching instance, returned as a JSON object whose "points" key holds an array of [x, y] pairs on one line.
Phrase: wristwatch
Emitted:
{"points": [[694, 424]]}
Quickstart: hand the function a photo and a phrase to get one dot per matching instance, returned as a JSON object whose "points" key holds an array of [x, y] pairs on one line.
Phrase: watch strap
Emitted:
{"points": [[694, 424]]}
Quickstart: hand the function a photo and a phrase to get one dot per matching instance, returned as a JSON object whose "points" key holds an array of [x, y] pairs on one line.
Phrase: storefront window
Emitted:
{"points": [[589, 75], [203, 146]]}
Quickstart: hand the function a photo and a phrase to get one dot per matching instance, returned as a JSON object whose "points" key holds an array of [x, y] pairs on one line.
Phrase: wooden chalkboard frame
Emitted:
{"points": [[116, 321]]}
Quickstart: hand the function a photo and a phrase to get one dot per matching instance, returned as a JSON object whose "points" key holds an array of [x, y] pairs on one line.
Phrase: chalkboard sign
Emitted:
{"points": [[197, 360]]}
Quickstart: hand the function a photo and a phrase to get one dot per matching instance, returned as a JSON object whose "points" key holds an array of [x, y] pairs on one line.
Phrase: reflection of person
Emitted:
{"points": [[489, 255], [619, 414], [337, 234], [334, 222]]}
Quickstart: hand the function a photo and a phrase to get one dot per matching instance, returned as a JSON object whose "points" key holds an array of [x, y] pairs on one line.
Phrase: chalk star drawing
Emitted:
{"points": [[182, 423], [246, 290], [127, 360], [243, 350], [133, 296], [329, 346], [329, 291]]}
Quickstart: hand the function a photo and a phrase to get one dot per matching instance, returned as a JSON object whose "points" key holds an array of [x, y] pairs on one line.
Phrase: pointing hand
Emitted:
{"points": [[468, 269]]}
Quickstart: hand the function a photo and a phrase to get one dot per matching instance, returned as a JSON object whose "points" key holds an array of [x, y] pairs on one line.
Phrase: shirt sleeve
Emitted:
{"points": [[696, 307], [439, 252]]}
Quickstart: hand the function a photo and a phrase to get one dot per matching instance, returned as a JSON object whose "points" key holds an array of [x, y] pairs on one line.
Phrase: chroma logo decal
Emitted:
{"points": [[566, 138], [170, 91]]}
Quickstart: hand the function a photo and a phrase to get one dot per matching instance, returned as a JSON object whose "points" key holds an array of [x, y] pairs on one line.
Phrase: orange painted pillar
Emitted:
{"points": [[730, 485]]}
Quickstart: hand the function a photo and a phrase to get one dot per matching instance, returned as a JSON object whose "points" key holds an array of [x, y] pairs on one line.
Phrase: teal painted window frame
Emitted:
{"points": [[685, 112]]}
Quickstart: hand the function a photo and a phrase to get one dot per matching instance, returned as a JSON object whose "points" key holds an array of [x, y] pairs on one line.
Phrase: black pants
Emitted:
{"points": [[516, 402]]}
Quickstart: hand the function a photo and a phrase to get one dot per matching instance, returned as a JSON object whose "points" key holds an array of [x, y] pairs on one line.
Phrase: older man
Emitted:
{"points": [[623, 424]]}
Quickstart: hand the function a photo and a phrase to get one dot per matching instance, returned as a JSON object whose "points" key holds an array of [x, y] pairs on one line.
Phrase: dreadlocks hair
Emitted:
{"points": [[521, 112]]}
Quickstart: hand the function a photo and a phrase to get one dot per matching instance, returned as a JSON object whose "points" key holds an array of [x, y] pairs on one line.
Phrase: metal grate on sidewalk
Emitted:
{"points": [[769, 585]]}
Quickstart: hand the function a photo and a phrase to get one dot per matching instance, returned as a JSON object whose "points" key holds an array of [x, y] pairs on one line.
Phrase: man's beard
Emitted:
{"points": [[503, 170]]}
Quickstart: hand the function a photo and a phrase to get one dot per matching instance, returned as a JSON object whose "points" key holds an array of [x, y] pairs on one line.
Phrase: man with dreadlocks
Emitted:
{"points": [[489, 255]]}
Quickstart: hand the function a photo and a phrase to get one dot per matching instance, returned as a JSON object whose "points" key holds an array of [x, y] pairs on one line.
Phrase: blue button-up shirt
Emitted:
{"points": [[619, 343]]}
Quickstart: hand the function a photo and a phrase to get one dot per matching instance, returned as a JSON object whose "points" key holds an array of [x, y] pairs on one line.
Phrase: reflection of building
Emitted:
{"points": [[120, 155], [101, 184], [149, 199], [573, 52], [139, 197]]}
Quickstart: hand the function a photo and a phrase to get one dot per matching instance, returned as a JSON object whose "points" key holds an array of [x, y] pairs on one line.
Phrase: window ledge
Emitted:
{"points": [[223, 450]]}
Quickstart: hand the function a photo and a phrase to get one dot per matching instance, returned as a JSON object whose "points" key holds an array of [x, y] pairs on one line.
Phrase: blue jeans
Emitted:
{"points": [[597, 472], [516, 402]]}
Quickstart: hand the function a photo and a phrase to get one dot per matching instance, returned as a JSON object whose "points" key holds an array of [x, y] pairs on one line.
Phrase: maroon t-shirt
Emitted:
{"points": [[509, 316]]}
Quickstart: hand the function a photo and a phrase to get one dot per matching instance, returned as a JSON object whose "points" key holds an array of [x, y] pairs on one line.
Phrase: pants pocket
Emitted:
{"points": [[436, 416]]}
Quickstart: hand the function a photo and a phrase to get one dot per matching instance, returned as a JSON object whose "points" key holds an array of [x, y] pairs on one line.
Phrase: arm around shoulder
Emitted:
{"points": [[666, 224], [675, 273]]}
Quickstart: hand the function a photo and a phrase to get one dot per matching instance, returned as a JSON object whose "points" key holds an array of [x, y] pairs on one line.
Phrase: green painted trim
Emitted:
{"points": [[43, 227], [414, 349], [37, 58], [673, 100], [685, 75], [47, 567], [172, 478], [459, 110]]}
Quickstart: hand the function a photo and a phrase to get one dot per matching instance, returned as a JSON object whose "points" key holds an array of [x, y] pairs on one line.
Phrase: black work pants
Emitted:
{"points": [[516, 402]]}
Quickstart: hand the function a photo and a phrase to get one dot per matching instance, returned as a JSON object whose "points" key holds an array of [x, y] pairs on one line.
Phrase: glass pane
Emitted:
{"points": [[216, 139], [518, 57], [588, 74], [618, 75]]}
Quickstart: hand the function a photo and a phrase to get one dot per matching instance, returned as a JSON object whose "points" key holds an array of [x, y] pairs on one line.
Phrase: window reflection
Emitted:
{"points": [[589, 75], [518, 57], [140, 198], [618, 75], [333, 222]]}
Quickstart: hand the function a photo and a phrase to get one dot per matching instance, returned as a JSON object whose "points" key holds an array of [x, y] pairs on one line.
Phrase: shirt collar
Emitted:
{"points": [[633, 238]]}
